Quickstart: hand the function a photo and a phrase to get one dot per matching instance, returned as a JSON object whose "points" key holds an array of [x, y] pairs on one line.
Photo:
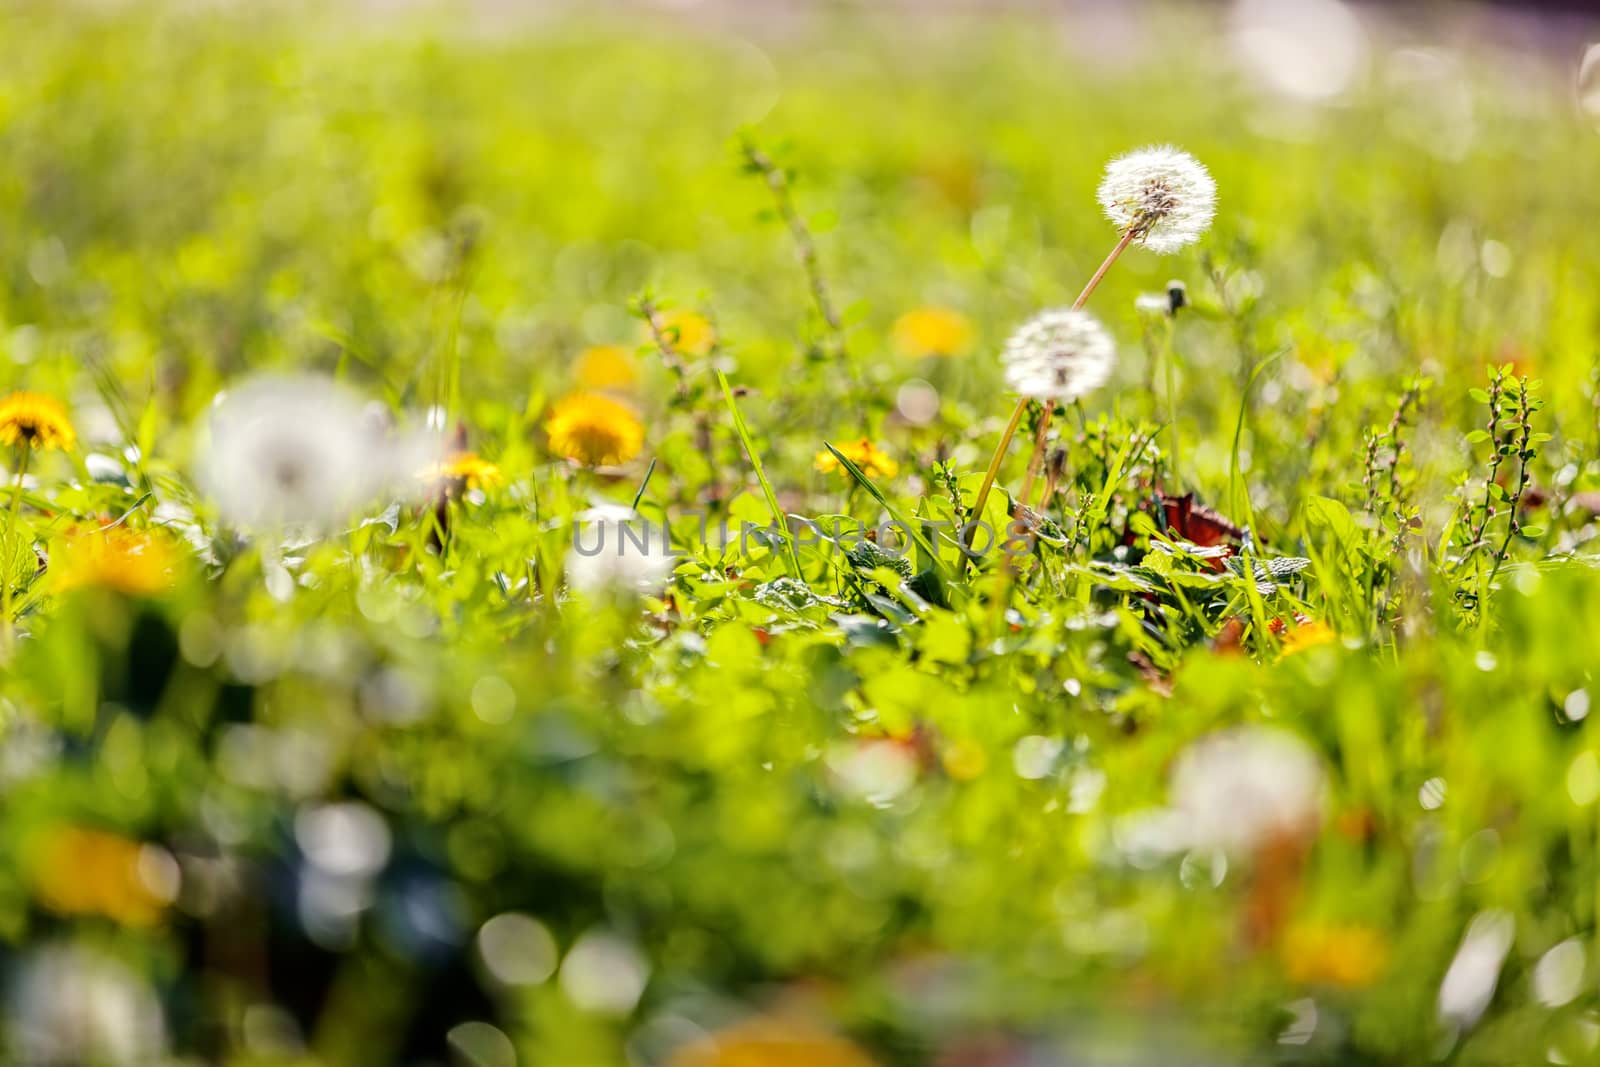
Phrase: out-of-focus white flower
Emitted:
{"points": [[1165, 195], [303, 451], [1307, 50], [614, 550], [71, 1006], [1588, 86], [1469, 984], [1242, 788], [1058, 355], [604, 974]]}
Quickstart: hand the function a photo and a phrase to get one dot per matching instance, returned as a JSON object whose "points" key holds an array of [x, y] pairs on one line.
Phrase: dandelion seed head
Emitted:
{"points": [[1059, 355], [1165, 195], [303, 451], [617, 552], [1241, 789]]}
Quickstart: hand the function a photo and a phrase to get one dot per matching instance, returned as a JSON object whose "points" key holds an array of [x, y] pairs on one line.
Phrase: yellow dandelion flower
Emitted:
{"points": [[78, 871], [964, 760], [606, 367], [689, 332], [132, 562], [36, 421], [594, 430], [770, 1042], [873, 461], [1307, 635], [932, 331], [1346, 956], [468, 467]]}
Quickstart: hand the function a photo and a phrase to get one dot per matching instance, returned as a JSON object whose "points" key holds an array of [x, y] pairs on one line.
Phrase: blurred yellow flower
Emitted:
{"points": [[1307, 635], [932, 331], [689, 332], [36, 421], [133, 562], [964, 760], [594, 430], [78, 871], [872, 460], [1346, 956], [770, 1043], [468, 467], [606, 367]]}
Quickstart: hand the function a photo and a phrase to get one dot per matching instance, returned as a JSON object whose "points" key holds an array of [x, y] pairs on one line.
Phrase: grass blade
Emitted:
{"points": [[894, 513], [791, 556]]}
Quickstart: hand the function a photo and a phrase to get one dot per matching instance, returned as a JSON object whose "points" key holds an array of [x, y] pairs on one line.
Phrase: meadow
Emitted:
{"points": [[499, 568]]}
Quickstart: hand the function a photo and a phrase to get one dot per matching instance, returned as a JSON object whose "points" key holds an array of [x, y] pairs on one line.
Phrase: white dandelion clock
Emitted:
{"points": [[1163, 196], [1243, 788], [300, 451], [616, 552], [1059, 355]]}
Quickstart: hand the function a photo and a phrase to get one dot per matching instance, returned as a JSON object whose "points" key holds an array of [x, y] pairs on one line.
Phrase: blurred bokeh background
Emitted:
{"points": [[413, 815]]}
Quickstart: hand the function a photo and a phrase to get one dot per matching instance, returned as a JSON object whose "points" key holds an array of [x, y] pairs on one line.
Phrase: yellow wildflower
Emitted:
{"points": [[594, 430], [78, 871], [964, 760], [132, 562], [872, 460], [932, 331], [1307, 635], [36, 421], [468, 467], [770, 1042], [689, 332], [1346, 956], [606, 367]]}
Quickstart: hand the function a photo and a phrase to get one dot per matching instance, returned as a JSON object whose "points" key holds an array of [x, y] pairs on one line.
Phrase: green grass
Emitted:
{"points": [[915, 800]]}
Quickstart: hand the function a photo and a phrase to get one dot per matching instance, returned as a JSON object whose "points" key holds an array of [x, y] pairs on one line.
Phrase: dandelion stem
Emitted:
{"points": [[1122, 245], [994, 466], [1167, 358], [9, 574], [1022, 405]]}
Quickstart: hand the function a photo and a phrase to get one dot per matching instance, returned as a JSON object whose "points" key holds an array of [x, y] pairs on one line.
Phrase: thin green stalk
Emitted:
{"points": [[8, 630], [1238, 495], [791, 556], [1167, 359], [994, 465]]}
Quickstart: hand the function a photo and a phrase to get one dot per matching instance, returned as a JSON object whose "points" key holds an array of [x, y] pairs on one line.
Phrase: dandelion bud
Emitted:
{"points": [[1177, 296], [1056, 465], [1059, 355], [1164, 196]]}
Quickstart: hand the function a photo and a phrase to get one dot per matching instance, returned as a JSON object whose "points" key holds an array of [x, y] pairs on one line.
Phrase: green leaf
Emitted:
{"points": [[894, 513]]}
